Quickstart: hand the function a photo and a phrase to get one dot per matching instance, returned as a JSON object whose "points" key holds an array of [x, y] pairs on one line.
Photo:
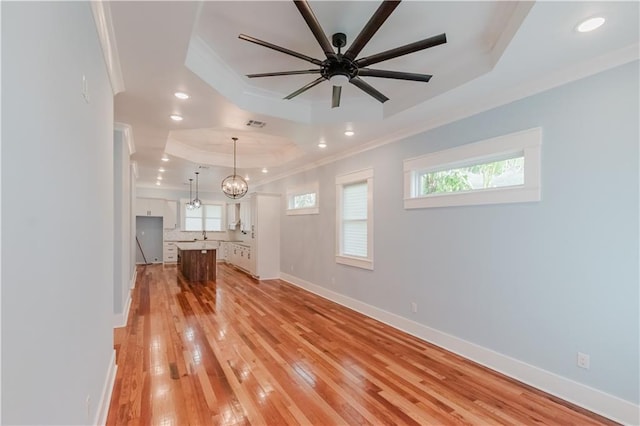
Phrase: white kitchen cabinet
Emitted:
{"points": [[170, 220], [169, 252], [232, 216], [245, 216], [264, 259], [150, 207], [221, 253]]}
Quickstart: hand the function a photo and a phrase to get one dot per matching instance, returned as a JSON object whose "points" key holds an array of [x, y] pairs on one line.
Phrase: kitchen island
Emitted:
{"points": [[197, 260]]}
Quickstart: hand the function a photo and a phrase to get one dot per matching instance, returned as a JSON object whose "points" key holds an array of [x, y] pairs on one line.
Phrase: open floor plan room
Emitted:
{"points": [[241, 351]]}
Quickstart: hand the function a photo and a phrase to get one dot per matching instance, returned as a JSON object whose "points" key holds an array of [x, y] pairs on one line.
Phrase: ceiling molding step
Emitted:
{"points": [[127, 133], [207, 65], [104, 26], [516, 19]]}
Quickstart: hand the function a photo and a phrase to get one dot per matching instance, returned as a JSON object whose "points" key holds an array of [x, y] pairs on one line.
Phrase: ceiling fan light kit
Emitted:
{"points": [[234, 186], [339, 68]]}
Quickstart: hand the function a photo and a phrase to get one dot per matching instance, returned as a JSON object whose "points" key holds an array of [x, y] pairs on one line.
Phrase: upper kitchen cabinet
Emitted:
{"points": [[245, 216], [170, 215], [232, 216], [150, 207]]}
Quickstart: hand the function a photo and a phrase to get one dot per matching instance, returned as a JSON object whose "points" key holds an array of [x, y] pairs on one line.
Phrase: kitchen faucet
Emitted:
{"points": [[204, 234]]}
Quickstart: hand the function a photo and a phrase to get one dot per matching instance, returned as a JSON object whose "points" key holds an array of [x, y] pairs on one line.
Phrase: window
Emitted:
{"points": [[303, 200], [208, 217], [504, 169], [354, 219]]}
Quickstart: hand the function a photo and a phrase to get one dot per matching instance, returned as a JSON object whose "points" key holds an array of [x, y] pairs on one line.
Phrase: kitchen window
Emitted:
{"points": [[505, 169], [354, 219], [208, 217], [303, 200]]}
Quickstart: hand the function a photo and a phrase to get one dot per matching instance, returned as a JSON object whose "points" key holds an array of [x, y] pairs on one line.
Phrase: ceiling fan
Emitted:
{"points": [[341, 68]]}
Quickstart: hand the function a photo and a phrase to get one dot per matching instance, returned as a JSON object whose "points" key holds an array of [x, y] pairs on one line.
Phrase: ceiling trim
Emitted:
{"points": [[127, 134], [564, 76], [104, 26]]}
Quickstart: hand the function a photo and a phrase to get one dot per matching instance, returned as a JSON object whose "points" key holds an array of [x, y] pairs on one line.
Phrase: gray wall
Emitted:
{"points": [[57, 215], [538, 281], [149, 233]]}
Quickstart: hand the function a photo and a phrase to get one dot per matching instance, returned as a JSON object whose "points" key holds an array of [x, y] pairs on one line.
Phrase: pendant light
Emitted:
{"points": [[190, 205], [234, 186], [196, 201]]}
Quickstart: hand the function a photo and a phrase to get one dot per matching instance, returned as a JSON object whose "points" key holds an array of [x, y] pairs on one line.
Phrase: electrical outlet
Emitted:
{"points": [[414, 307], [291, 268], [333, 280], [583, 360]]}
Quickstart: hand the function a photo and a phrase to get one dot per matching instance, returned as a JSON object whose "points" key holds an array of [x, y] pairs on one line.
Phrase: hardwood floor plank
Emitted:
{"points": [[236, 351]]}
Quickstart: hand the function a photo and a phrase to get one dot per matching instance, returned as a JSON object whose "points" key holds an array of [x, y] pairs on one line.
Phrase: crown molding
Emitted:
{"points": [[127, 134], [104, 26]]}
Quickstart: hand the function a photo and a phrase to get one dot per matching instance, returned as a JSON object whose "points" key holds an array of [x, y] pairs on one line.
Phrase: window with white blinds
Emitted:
{"points": [[354, 219]]}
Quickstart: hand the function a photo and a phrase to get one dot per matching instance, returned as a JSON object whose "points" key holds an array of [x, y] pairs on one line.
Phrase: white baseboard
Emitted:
{"points": [[105, 398], [592, 399]]}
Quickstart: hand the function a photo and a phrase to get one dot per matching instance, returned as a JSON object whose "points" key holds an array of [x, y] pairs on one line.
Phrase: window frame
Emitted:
{"points": [[303, 190], [223, 211], [342, 181], [527, 142]]}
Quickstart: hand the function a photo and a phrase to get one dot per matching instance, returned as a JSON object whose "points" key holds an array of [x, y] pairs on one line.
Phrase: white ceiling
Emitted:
{"points": [[496, 52]]}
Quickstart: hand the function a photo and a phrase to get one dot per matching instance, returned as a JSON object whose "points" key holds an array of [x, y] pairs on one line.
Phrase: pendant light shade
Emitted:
{"points": [[234, 186], [196, 201], [190, 205]]}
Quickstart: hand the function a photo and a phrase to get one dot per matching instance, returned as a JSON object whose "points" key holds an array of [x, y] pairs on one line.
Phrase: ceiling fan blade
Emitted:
{"points": [[335, 98], [305, 88], [398, 75], [280, 49], [376, 21], [402, 50], [314, 26], [275, 74], [361, 84]]}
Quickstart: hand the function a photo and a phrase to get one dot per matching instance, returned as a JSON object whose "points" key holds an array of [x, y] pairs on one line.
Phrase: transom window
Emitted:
{"points": [[303, 200], [505, 169]]}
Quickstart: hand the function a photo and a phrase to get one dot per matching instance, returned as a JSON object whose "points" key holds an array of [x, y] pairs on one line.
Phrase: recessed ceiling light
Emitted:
{"points": [[246, 177], [161, 170], [349, 133], [590, 24], [181, 95], [165, 158], [322, 145], [175, 117], [264, 170], [158, 182], [159, 177]]}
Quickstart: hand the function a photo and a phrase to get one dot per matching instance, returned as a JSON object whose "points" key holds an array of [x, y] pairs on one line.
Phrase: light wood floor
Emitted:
{"points": [[239, 351]]}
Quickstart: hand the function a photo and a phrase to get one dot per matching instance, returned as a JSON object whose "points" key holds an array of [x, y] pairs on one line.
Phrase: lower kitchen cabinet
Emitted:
{"points": [[170, 252]]}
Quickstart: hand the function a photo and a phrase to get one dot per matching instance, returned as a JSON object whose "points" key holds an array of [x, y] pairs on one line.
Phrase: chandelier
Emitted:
{"points": [[234, 186], [190, 205], [196, 201]]}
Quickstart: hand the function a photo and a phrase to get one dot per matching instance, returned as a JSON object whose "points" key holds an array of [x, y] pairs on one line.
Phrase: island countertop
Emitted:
{"points": [[198, 245]]}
